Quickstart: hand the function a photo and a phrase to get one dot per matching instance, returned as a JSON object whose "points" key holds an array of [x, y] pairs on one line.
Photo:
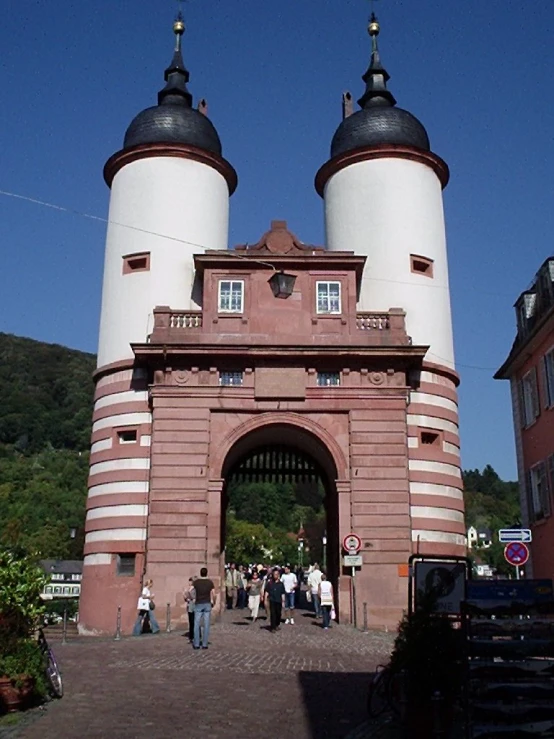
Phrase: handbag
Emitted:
{"points": [[152, 605], [333, 614], [309, 595]]}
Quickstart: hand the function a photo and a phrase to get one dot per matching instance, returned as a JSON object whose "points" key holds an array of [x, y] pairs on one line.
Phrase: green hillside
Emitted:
{"points": [[45, 418]]}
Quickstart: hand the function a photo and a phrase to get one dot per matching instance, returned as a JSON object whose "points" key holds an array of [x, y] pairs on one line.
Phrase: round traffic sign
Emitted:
{"points": [[352, 543], [516, 553]]}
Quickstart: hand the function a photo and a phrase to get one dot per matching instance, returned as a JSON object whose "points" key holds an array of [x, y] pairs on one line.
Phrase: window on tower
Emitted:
{"points": [[136, 263], [421, 265], [328, 297], [231, 296]]}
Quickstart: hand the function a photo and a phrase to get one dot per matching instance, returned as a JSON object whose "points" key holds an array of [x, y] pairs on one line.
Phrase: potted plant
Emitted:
{"points": [[22, 675], [428, 653], [22, 668]]}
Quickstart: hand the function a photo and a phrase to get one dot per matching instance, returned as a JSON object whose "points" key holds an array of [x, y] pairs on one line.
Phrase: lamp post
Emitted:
{"points": [[324, 542], [301, 553]]}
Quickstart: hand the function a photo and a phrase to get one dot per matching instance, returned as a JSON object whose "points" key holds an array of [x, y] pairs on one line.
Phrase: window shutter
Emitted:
{"points": [[521, 397], [544, 383], [550, 473], [529, 495], [544, 490], [535, 393]]}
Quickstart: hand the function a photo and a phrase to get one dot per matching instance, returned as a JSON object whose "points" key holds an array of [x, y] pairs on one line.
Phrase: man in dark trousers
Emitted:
{"points": [[275, 592]]}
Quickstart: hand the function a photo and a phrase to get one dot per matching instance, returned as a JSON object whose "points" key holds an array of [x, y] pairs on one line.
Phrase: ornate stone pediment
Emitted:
{"points": [[279, 240]]}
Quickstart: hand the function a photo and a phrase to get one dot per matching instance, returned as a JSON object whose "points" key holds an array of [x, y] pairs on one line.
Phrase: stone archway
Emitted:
{"points": [[276, 450]]}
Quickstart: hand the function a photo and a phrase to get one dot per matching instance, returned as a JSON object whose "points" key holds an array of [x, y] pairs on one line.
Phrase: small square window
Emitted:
{"points": [[421, 265], [430, 438], [231, 296], [328, 379], [127, 436], [328, 297], [136, 263], [231, 378], [126, 565]]}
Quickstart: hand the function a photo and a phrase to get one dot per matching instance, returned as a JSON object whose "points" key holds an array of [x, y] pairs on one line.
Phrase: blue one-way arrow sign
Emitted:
{"points": [[505, 536]]}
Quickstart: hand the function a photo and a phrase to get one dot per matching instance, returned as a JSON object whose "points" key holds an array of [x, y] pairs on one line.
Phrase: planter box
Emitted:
{"points": [[12, 697]]}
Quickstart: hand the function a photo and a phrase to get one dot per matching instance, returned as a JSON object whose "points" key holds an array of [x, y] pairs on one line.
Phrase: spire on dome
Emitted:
{"points": [[176, 75], [376, 77]]}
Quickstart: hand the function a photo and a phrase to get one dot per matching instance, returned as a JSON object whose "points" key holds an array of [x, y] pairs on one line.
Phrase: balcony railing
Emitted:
{"points": [[373, 321], [191, 319], [165, 319]]}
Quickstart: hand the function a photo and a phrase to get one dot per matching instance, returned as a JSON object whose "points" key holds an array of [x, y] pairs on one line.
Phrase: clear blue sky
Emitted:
{"points": [[477, 73]]}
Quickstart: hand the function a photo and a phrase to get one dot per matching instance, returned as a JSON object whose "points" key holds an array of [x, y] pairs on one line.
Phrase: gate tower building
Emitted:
{"points": [[277, 362]]}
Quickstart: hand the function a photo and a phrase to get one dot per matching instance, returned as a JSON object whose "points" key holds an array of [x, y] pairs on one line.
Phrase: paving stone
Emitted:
{"points": [[301, 683]]}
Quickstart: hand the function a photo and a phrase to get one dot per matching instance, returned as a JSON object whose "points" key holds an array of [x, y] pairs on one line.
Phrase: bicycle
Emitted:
{"points": [[385, 691], [51, 669]]}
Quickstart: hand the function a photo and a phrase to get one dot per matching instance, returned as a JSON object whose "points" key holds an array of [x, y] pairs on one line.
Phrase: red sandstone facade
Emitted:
{"points": [[530, 369], [167, 433]]}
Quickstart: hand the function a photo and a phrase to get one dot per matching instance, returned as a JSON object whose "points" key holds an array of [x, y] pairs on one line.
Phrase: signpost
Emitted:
{"points": [[505, 536], [517, 554], [444, 583], [352, 544]]}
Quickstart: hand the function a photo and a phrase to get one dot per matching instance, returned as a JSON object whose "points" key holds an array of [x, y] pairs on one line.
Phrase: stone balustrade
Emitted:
{"points": [[373, 321], [380, 327]]}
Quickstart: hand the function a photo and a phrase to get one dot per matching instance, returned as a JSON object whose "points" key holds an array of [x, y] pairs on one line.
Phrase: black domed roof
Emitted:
{"points": [[379, 121], [376, 125], [174, 120], [173, 124]]}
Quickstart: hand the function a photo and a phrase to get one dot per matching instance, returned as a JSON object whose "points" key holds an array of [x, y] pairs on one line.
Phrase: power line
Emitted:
{"points": [[90, 216], [230, 252]]}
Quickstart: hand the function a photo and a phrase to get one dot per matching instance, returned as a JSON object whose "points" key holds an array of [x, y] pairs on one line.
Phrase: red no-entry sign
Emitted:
{"points": [[352, 543], [516, 553]]}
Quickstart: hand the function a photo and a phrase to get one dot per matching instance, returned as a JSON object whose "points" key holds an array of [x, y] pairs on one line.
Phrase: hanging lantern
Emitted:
{"points": [[282, 284]]}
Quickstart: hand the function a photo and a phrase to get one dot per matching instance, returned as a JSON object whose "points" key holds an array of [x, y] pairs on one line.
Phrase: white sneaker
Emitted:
{"points": [[287, 621], [292, 620]]}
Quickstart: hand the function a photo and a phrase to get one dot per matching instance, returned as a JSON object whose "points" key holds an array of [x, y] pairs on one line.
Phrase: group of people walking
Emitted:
{"points": [[275, 589]]}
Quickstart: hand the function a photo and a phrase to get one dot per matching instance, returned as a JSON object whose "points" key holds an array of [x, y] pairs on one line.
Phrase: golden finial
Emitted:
{"points": [[179, 27], [374, 27]]}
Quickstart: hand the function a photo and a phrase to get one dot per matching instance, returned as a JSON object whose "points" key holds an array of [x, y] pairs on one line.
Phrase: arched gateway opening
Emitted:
{"points": [[293, 462]]}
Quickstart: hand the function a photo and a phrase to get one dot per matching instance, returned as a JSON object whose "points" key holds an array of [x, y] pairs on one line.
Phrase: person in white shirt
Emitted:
{"points": [[290, 582], [314, 578], [145, 607], [325, 592]]}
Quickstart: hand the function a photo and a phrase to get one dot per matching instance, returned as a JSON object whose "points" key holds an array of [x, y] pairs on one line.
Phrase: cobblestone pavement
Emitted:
{"points": [[300, 683]]}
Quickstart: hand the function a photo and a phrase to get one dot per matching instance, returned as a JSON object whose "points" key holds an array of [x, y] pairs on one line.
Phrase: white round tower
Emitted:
{"points": [[382, 190], [170, 190]]}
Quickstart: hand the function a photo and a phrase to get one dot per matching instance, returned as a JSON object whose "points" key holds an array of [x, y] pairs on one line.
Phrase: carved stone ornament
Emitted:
{"points": [[181, 377], [377, 378]]}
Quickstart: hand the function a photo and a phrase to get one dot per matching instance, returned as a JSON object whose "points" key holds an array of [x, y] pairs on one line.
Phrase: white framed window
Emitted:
{"points": [[529, 396], [548, 377], [231, 296], [328, 298], [538, 492], [328, 379], [230, 379]]}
